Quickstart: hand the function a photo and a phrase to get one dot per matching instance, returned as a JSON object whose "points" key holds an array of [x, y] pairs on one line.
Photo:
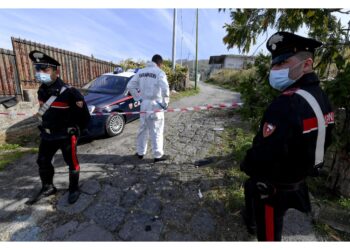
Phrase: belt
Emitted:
{"points": [[53, 131], [289, 186]]}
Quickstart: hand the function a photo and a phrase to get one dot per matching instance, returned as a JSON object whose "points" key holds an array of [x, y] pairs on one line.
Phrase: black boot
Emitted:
{"points": [[74, 191], [248, 213], [73, 196], [46, 190], [163, 158], [139, 156]]}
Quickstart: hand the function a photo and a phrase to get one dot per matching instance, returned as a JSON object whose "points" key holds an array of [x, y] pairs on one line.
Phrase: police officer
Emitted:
{"points": [[150, 86], [289, 146], [63, 114]]}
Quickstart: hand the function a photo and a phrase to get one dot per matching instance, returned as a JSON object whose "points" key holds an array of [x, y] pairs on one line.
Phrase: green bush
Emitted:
{"points": [[130, 64], [176, 80], [252, 84]]}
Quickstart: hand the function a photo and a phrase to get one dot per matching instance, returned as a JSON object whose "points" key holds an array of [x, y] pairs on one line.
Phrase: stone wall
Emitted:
{"points": [[13, 127]]}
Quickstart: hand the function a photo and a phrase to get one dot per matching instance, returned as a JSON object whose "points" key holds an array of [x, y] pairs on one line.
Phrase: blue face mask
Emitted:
{"points": [[43, 78], [279, 79]]}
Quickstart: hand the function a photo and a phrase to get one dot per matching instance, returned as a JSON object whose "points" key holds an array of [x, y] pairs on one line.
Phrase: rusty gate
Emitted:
{"points": [[9, 82], [76, 69]]}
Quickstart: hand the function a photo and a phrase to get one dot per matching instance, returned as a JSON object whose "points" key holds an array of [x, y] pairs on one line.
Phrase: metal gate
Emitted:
{"points": [[76, 69], [9, 81]]}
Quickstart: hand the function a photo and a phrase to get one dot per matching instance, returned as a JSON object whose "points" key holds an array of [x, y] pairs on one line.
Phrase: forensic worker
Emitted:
{"points": [[63, 114], [151, 88], [293, 136]]}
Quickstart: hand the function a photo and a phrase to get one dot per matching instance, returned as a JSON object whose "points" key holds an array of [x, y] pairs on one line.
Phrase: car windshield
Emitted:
{"points": [[109, 84]]}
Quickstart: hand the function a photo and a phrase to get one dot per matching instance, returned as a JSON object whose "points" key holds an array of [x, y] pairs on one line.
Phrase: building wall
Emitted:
{"points": [[235, 62]]}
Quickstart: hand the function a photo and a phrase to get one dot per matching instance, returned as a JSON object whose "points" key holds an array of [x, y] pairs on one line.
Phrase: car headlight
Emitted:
{"points": [[91, 108]]}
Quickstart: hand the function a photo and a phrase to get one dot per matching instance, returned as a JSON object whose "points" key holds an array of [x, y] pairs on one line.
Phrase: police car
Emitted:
{"points": [[105, 96]]}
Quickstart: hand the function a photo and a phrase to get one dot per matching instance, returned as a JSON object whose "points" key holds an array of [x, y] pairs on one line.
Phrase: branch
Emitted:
{"points": [[339, 11], [344, 12]]}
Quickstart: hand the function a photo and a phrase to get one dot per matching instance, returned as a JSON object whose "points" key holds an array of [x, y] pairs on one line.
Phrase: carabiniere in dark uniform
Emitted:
{"points": [[63, 115], [285, 150]]}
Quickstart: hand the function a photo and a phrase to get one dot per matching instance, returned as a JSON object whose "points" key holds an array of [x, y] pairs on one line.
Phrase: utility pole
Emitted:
{"points": [[347, 34], [174, 42], [196, 66]]}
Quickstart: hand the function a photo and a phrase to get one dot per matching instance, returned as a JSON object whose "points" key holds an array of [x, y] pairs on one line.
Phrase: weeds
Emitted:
{"points": [[236, 142], [329, 233], [233, 146], [6, 147], [12, 152], [344, 203], [189, 92]]}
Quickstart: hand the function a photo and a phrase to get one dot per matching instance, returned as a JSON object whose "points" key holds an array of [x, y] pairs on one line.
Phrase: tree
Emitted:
{"points": [[332, 64]]}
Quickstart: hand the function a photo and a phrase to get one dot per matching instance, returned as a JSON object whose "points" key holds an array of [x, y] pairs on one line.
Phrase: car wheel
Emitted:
{"points": [[115, 125]]}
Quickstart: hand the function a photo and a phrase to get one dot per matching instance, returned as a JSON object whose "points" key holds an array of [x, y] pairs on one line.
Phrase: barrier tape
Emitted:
{"points": [[15, 113], [169, 110]]}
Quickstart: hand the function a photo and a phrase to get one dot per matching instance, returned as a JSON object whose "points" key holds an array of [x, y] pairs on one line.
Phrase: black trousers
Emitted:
{"points": [[48, 149], [267, 212]]}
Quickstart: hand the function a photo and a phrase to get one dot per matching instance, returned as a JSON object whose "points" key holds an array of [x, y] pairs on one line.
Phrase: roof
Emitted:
{"points": [[220, 59], [124, 74]]}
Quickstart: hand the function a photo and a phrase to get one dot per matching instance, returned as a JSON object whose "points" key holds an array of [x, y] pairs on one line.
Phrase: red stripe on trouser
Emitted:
{"points": [[74, 153], [269, 223]]}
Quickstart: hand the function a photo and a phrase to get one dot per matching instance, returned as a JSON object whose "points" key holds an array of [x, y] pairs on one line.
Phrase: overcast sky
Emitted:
{"points": [[116, 34]]}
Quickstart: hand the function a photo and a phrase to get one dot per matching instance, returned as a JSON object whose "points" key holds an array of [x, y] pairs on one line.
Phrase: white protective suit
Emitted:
{"points": [[152, 83]]}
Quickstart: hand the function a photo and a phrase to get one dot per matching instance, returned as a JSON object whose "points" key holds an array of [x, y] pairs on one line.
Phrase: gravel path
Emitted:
{"points": [[124, 198]]}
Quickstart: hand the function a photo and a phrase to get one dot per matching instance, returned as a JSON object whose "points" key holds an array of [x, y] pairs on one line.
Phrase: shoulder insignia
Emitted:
{"points": [[268, 129], [80, 104]]}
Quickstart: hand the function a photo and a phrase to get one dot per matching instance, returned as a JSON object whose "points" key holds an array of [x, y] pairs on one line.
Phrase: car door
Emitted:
{"points": [[132, 106]]}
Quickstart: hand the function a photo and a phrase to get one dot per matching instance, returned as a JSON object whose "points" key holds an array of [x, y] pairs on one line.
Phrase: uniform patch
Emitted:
{"points": [[80, 104], [130, 105], [268, 129]]}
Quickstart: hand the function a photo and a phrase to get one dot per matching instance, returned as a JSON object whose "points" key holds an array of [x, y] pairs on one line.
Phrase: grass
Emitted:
{"points": [[235, 142], [324, 195], [224, 85], [233, 194], [12, 152], [6, 146], [179, 95], [230, 78], [330, 233], [232, 148], [344, 203]]}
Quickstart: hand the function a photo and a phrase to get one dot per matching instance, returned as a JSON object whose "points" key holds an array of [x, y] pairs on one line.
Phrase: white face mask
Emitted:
{"points": [[279, 79]]}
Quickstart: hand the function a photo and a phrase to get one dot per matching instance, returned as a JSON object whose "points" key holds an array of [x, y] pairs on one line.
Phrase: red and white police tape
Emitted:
{"points": [[169, 110], [187, 109]]}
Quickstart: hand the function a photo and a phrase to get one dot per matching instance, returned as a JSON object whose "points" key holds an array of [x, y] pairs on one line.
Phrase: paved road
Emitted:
{"points": [[125, 198]]}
